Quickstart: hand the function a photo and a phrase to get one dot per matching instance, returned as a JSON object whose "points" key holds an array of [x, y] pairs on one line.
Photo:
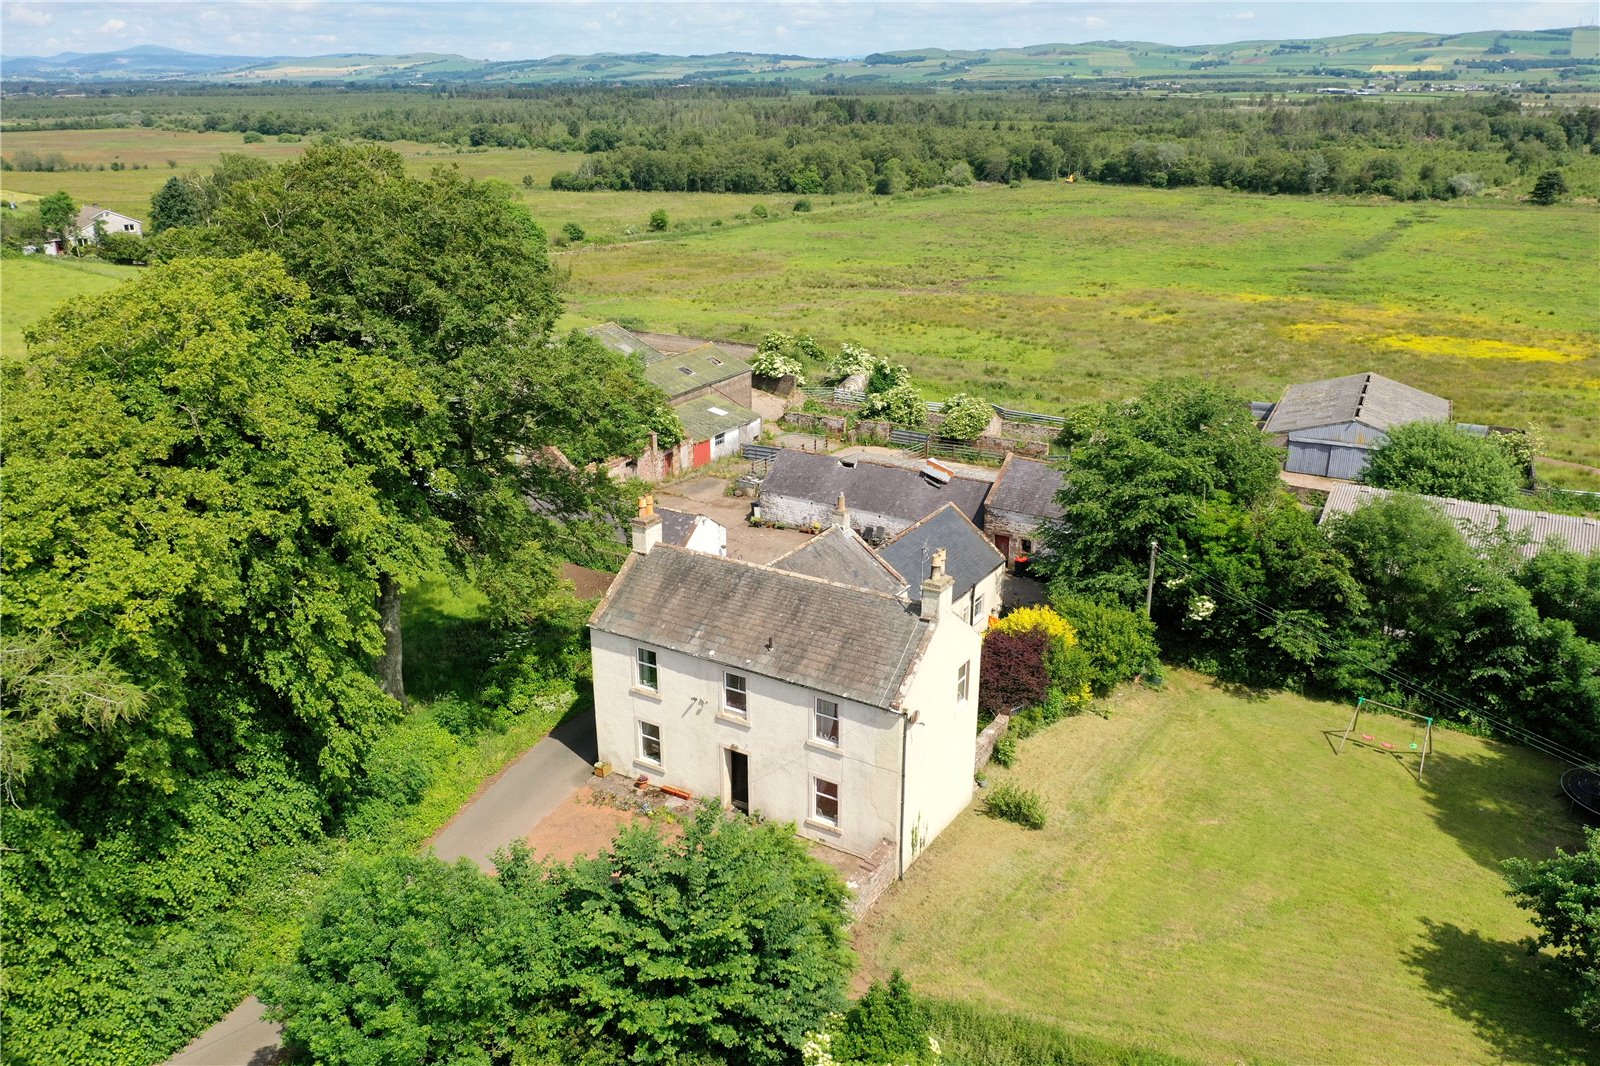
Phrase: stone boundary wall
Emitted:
{"points": [[837, 425], [877, 874], [988, 739]]}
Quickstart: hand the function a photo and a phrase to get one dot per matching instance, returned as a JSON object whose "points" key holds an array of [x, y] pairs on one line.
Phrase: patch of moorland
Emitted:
{"points": [[1052, 294], [1216, 883]]}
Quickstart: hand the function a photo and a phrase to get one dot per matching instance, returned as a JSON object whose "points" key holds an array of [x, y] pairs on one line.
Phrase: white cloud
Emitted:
{"points": [[28, 16], [1094, 22], [1245, 16], [113, 26]]}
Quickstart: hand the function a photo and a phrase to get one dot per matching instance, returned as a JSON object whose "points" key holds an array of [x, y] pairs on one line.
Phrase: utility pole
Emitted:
{"points": [[1150, 587]]}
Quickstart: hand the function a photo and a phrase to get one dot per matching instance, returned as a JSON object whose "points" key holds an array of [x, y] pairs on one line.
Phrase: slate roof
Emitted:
{"points": [[1580, 534], [841, 555], [969, 557], [898, 491], [618, 339], [706, 416], [848, 642], [1371, 399], [1027, 486], [676, 526]]}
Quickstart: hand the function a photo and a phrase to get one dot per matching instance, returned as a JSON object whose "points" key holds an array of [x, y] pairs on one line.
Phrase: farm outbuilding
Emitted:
{"points": [[1331, 426]]}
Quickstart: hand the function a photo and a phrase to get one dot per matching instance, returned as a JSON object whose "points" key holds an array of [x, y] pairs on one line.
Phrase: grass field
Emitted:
{"points": [[1052, 293], [603, 215], [1216, 883], [30, 288]]}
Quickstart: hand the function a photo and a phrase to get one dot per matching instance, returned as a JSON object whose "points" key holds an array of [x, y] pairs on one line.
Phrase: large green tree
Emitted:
{"points": [[724, 944], [197, 522], [177, 203], [1562, 895], [1437, 459], [1140, 470], [448, 278]]}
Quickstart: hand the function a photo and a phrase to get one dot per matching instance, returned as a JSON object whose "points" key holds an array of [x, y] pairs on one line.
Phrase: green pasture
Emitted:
{"points": [[1216, 883], [604, 216], [30, 288], [1050, 294]]}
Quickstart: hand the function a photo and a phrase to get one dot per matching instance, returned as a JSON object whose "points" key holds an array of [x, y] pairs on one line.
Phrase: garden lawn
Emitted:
{"points": [[1216, 883], [1052, 294], [33, 287]]}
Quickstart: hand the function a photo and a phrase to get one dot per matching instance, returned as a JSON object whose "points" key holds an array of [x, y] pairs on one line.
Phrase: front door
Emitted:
{"points": [[739, 781], [702, 453], [1003, 543]]}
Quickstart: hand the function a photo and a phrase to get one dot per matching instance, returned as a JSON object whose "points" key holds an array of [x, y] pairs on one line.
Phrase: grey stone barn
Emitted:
{"points": [[803, 489], [1023, 498], [1330, 426]]}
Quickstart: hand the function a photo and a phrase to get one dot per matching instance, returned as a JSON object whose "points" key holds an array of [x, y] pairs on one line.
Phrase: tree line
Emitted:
{"points": [[727, 139]]}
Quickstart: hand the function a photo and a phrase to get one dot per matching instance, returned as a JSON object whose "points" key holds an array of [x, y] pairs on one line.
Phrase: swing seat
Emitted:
{"points": [[1413, 747], [1388, 745], [1368, 736]]}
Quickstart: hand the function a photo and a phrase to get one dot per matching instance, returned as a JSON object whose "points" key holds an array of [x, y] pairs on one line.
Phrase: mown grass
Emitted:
{"points": [[31, 288], [1216, 883], [1052, 293]]}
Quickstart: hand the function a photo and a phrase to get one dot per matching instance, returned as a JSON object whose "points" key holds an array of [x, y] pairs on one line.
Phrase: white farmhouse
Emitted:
{"points": [[847, 706]]}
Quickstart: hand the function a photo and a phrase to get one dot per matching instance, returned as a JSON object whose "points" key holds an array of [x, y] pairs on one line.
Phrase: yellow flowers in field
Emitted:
{"points": [[1475, 348]]}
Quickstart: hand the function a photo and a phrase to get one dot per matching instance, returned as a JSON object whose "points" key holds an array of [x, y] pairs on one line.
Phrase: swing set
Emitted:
{"points": [[1422, 735]]}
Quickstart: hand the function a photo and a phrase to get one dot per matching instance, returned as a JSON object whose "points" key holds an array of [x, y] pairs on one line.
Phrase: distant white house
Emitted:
{"points": [[92, 222], [846, 704]]}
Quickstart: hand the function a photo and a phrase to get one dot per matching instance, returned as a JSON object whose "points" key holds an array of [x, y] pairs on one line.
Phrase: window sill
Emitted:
{"points": [[645, 764], [822, 747], [647, 693], [742, 721], [824, 827]]}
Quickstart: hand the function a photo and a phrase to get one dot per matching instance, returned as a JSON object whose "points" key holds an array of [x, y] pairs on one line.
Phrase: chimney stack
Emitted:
{"points": [[841, 514], [936, 590], [647, 526]]}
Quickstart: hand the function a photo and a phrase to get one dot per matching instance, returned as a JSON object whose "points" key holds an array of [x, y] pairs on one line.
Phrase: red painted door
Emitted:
{"points": [[702, 452], [1003, 542]]}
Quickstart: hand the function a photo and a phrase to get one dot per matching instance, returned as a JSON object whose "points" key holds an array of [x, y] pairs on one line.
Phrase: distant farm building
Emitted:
{"points": [[1480, 520], [709, 386], [1331, 426], [803, 488], [1022, 500]]}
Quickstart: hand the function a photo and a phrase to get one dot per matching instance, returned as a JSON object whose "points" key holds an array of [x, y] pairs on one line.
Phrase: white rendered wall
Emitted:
{"points": [[777, 738]]}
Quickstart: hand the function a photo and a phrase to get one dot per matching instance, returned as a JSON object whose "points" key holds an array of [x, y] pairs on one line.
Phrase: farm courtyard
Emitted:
{"points": [[1217, 884]]}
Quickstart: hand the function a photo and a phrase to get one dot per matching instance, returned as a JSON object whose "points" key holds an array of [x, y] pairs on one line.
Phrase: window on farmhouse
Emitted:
{"points": [[963, 678], [719, 439], [735, 694], [977, 610], [825, 801], [650, 742], [648, 675], [827, 722]]}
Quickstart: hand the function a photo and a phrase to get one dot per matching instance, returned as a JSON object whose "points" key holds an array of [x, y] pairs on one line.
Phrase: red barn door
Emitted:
{"points": [[702, 452]]}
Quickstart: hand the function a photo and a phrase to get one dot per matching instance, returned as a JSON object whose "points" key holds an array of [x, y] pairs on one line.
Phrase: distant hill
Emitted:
{"points": [[1486, 56]]}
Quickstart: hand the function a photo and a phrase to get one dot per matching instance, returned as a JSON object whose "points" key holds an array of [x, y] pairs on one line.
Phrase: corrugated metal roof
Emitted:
{"points": [[1027, 486], [694, 369], [706, 416], [1370, 399], [853, 643], [1474, 519], [618, 339], [969, 557], [897, 491]]}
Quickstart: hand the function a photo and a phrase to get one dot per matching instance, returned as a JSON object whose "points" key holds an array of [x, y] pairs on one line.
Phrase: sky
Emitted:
{"points": [[509, 30]]}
